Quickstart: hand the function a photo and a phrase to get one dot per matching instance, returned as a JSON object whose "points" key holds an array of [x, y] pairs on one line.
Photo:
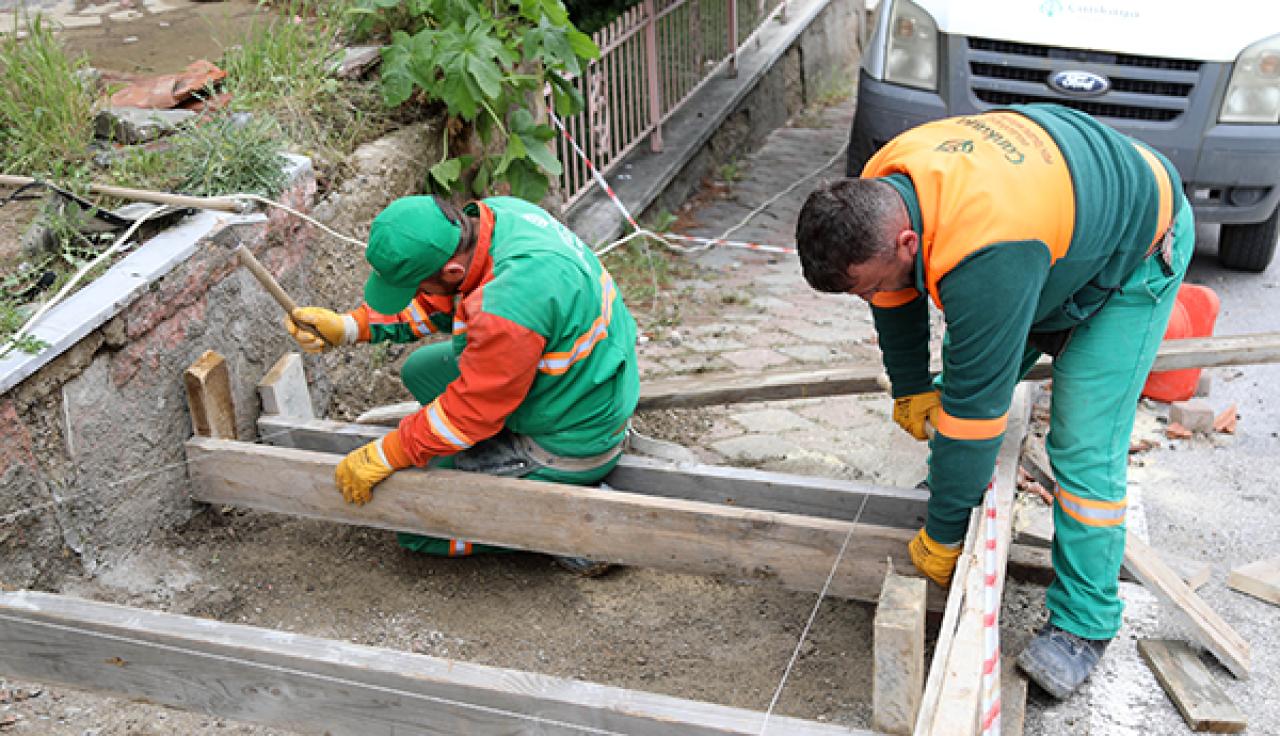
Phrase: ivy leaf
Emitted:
{"points": [[582, 44], [565, 95], [533, 139], [550, 45], [526, 181], [446, 173], [397, 78], [514, 151], [480, 184]]}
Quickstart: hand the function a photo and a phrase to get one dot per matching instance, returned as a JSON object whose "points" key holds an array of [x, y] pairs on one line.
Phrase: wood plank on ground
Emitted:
{"points": [[898, 650], [303, 683], [953, 692], [208, 385], [1013, 698], [1259, 579], [671, 534], [742, 487], [1206, 625], [1203, 705]]}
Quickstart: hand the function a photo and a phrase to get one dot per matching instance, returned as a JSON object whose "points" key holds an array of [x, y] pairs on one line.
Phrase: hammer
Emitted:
{"points": [[271, 285]]}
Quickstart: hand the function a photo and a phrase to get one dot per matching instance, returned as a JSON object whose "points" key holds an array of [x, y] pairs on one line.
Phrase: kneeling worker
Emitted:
{"points": [[539, 378], [1034, 229]]}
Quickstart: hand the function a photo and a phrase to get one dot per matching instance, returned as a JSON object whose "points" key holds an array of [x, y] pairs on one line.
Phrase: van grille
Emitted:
{"points": [[1145, 88]]}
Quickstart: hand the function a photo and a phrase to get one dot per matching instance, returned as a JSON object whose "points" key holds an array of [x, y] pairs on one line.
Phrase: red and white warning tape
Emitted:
{"points": [[665, 238], [990, 618]]}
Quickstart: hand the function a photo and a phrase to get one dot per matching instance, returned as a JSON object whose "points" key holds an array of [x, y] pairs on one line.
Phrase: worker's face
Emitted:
{"points": [[891, 271]]}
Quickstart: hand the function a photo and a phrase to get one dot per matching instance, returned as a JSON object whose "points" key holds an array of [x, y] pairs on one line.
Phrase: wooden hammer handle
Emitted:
{"points": [[266, 279]]}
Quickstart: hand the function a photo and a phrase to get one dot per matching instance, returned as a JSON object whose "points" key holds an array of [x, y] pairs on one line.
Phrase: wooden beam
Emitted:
{"points": [[283, 390], [313, 685], [953, 692], [749, 545], [741, 487], [208, 385], [1203, 705], [898, 652], [705, 389], [1259, 579], [1207, 626], [1013, 698]]}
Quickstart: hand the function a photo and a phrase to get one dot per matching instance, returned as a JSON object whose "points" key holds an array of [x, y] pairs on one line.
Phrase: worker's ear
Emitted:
{"points": [[453, 272], [908, 244]]}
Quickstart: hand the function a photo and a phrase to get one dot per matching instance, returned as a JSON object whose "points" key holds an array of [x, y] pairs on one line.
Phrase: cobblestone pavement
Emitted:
{"points": [[752, 311]]}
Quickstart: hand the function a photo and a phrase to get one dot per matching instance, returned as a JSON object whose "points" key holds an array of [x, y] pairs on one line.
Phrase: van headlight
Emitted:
{"points": [[1254, 93], [911, 55]]}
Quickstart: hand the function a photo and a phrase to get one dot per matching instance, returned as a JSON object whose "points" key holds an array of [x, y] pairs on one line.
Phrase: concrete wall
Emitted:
{"points": [[91, 445]]}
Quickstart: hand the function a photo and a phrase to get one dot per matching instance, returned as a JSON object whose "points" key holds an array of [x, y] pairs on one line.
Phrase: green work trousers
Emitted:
{"points": [[1097, 380], [427, 372]]}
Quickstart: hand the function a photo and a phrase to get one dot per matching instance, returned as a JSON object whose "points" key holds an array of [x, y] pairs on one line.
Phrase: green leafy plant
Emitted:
{"points": [[230, 154], [486, 62], [46, 106]]}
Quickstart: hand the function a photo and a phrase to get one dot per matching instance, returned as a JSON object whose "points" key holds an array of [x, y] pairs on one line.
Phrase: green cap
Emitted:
{"points": [[409, 241]]}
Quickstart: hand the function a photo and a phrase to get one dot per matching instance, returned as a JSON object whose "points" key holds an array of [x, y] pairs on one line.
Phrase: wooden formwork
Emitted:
{"points": [[743, 525]]}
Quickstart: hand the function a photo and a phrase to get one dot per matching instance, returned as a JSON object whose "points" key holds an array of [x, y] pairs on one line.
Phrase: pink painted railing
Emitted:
{"points": [[652, 58]]}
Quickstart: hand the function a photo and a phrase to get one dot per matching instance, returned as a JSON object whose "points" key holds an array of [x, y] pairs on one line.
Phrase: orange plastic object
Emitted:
{"points": [[1194, 313]]}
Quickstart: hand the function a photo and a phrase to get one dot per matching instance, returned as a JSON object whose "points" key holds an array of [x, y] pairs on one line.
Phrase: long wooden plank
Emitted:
{"points": [[951, 706], [1207, 626], [314, 685], [743, 487], [1203, 705], [671, 534], [704, 389]]}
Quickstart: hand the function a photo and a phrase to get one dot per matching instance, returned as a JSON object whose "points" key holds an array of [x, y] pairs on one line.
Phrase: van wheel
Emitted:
{"points": [[1249, 247]]}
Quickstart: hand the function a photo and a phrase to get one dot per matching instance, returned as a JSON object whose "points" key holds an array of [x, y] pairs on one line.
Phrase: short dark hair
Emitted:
{"points": [[465, 222], [843, 223]]}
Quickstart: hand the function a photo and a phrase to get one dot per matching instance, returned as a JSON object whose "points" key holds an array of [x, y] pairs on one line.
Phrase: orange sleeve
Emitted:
{"points": [[416, 320], [497, 368]]}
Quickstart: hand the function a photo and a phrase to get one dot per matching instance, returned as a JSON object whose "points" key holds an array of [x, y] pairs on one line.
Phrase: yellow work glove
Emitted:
{"points": [[935, 559], [317, 329], [911, 412]]}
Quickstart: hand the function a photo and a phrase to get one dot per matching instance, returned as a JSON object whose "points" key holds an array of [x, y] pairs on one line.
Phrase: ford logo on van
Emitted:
{"points": [[1079, 83]]}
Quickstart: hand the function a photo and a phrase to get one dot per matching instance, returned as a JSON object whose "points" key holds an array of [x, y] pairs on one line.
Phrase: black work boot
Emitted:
{"points": [[1059, 661]]}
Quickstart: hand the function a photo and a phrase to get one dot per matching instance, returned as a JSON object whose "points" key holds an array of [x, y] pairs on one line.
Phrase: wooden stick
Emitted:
{"points": [[221, 204], [313, 685], [208, 385], [748, 545], [267, 280]]}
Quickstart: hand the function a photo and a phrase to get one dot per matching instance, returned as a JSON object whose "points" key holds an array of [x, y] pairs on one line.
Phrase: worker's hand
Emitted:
{"points": [[317, 329], [361, 470], [911, 412], [936, 560]]}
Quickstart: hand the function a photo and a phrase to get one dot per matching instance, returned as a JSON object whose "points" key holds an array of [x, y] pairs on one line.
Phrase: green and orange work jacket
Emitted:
{"points": [[1029, 219], [545, 345]]}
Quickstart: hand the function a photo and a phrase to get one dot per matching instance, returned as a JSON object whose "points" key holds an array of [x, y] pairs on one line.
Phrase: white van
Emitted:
{"points": [[1200, 81]]}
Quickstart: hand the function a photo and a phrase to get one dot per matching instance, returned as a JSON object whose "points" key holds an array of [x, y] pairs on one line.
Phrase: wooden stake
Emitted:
{"points": [[898, 648], [208, 384]]}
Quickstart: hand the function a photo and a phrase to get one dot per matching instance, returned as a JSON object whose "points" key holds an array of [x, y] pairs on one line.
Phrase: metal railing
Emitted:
{"points": [[652, 58]]}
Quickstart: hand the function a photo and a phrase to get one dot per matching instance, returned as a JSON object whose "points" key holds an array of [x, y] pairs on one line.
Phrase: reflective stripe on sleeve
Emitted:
{"points": [[557, 363], [444, 429]]}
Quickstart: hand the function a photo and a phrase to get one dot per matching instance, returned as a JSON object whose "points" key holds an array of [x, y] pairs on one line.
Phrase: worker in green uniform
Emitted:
{"points": [[539, 377], [1035, 230]]}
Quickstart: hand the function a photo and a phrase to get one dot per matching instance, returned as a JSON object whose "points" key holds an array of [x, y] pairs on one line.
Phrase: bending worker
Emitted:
{"points": [[539, 378], [1034, 229]]}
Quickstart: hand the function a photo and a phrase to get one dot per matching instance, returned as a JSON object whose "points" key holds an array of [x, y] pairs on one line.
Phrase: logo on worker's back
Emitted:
{"points": [[1079, 83], [956, 145]]}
